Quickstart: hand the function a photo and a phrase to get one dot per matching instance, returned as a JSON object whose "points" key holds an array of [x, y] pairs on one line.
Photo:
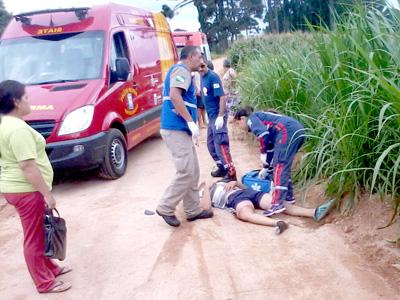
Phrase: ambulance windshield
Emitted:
{"points": [[52, 58]]}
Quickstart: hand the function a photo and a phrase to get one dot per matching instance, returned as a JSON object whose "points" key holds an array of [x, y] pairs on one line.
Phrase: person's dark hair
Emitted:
{"points": [[226, 63], [10, 90], [187, 51], [210, 65], [243, 112]]}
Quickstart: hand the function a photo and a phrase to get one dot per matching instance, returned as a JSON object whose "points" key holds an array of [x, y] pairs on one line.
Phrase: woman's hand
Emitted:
{"points": [[50, 201], [34, 177], [229, 186]]}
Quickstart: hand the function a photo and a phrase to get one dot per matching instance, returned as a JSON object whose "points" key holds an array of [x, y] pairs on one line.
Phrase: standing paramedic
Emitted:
{"points": [[25, 181], [217, 134], [285, 135], [180, 133]]}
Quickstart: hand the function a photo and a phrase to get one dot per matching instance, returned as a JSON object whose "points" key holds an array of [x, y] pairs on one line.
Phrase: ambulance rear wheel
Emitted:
{"points": [[116, 158]]}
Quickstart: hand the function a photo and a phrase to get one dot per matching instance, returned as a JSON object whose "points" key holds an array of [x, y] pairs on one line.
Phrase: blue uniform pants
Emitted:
{"points": [[218, 146], [288, 141]]}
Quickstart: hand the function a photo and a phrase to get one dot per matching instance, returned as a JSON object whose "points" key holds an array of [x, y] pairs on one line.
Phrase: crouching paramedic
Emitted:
{"points": [[217, 134], [180, 132], [245, 201], [285, 136]]}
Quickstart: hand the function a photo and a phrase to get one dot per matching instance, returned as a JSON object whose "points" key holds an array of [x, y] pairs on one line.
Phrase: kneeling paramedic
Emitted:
{"points": [[282, 134]]}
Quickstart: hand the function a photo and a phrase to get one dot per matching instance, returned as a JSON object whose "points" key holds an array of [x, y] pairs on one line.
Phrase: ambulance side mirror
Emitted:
{"points": [[122, 68]]}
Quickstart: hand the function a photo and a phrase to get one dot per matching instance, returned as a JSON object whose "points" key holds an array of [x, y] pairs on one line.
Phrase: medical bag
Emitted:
{"points": [[251, 181]]}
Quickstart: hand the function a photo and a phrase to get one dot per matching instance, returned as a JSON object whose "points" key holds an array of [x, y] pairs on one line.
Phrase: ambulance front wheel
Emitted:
{"points": [[116, 157]]}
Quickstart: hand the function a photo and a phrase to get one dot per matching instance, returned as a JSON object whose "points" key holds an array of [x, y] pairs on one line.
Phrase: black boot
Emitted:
{"points": [[220, 172], [230, 174], [229, 177]]}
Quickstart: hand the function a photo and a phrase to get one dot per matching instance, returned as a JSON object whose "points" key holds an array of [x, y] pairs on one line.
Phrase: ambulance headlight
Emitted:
{"points": [[77, 120]]}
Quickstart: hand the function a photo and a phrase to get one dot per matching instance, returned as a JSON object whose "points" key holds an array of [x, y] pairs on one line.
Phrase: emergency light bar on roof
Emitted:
{"points": [[80, 13]]}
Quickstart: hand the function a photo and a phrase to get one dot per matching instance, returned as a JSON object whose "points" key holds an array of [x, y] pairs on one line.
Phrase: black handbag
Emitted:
{"points": [[55, 235]]}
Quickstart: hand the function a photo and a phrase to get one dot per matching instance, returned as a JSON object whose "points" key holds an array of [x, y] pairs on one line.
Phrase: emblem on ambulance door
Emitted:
{"points": [[127, 98], [130, 101]]}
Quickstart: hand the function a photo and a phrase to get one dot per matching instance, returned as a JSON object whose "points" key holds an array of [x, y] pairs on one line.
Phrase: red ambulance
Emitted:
{"points": [[185, 38], [94, 79]]}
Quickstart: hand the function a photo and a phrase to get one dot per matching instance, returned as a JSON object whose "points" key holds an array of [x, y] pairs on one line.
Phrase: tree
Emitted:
{"points": [[248, 12], [223, 20], [288, 15], [5, 17]]}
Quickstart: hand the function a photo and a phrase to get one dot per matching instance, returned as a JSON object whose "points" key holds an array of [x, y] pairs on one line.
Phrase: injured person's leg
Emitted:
{"points": [[245, 211], [317, 213]]}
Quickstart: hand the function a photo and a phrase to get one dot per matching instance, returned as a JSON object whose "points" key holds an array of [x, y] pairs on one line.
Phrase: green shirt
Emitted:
{"points": [[19, 142]]}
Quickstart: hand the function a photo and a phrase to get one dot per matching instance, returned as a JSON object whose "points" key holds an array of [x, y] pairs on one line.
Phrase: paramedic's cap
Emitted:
{"points": [[226, 63]]}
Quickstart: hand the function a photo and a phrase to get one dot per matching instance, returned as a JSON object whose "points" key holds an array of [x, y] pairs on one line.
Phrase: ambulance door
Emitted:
{"points": [[128, 95], [146, 57]]}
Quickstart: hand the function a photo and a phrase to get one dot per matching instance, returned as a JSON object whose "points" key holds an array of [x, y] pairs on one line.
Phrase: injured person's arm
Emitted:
{"points": [[218, 191], [234, 184]]}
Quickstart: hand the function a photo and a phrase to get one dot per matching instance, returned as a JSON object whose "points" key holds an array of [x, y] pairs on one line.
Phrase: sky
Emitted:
{"points": [[394, 3], [185, 18]]}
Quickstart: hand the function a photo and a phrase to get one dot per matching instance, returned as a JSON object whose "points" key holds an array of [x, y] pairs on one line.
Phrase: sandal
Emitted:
{"points": [[280, 227], [59, 287], [64, 270], [323, 210]]}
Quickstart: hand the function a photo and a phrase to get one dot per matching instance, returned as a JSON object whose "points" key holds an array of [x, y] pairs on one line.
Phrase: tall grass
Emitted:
{"points": [[343, 85]]}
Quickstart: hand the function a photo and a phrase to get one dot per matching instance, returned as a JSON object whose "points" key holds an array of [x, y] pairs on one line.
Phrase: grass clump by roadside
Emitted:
{"points": [[344, 86]]}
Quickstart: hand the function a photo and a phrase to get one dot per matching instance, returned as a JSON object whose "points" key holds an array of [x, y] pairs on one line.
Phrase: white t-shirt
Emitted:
{"points": [[219, 196]]}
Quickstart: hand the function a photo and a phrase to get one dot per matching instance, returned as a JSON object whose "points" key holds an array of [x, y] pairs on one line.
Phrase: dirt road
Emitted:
{"points": [[118, 252]]}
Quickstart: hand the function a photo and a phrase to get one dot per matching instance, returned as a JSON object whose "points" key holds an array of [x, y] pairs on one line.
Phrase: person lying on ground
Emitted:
{"points": [[245, 201]]}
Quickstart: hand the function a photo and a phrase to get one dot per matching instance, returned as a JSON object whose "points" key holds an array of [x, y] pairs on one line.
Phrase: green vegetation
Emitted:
{"points": [[343, 85], [224, 21], [4, 17]]}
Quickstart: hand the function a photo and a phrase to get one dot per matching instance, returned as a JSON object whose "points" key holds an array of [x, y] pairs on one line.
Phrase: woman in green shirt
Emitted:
{"points": [[25, 181]]}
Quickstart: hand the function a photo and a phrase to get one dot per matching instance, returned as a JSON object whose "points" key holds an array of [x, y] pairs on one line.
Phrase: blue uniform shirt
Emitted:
{"points": [[267, 125], [178, 76], [261, 124], [212, 90]]}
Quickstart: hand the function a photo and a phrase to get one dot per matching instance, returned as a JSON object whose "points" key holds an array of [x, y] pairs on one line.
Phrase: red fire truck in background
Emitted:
{"points": [[185, 38]]}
